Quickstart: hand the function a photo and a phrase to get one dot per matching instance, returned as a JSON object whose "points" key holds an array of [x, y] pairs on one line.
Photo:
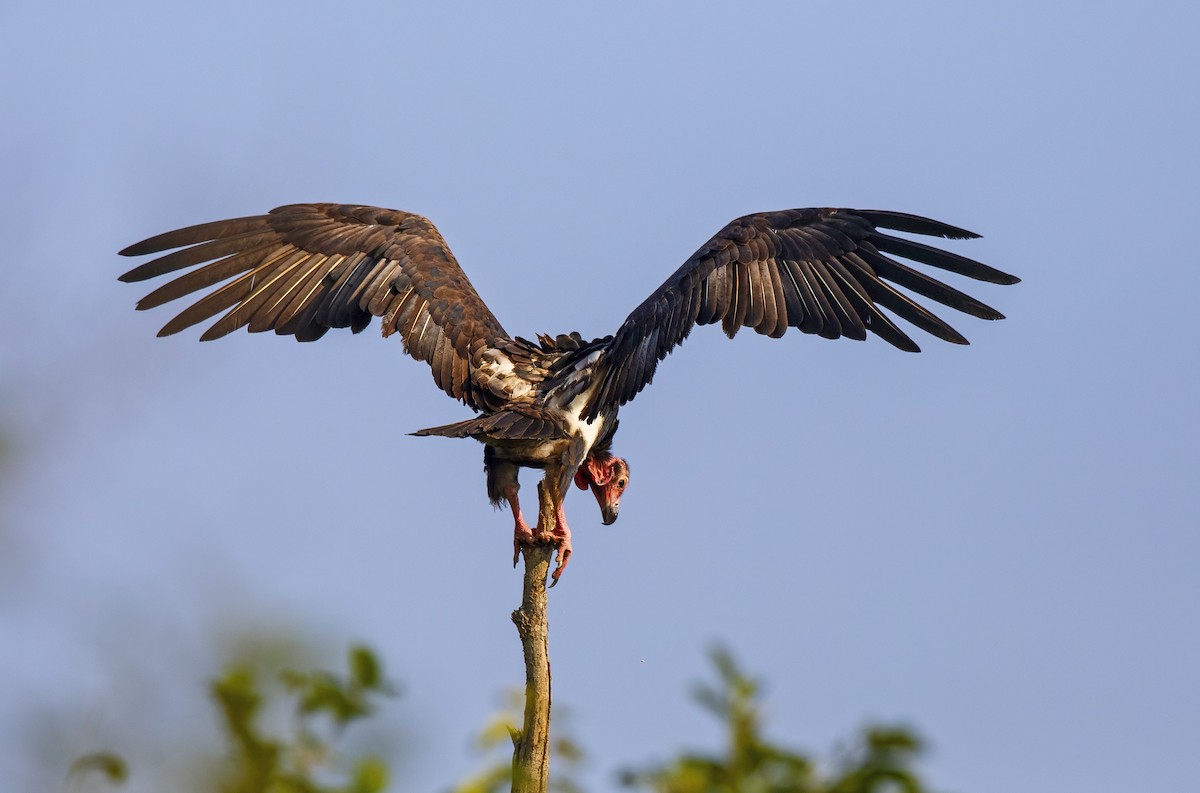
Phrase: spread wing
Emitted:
{"points": [[305, 268], [823, 271]]}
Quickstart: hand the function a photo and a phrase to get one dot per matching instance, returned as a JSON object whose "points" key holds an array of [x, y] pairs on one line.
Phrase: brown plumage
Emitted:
{"points": [[305, 268]]}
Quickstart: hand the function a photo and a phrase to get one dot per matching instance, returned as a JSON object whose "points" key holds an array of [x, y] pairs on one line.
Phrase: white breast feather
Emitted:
{"points": [[588, 430]]}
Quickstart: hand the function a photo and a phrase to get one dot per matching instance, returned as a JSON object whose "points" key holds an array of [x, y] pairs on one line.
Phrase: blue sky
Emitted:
{"points": [[995, 543]]}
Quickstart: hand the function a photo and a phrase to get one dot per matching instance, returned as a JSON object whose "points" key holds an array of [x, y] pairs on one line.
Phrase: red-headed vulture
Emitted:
{"points": [[552, 404]]}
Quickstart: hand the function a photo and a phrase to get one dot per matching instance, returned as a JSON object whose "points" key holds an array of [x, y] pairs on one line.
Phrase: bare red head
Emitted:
{"points": [[607, 477]]}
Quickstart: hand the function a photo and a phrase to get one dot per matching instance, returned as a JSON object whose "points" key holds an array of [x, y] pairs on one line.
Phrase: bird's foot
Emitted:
{"points": [[559, 536], [562, 557], [562, 539]]}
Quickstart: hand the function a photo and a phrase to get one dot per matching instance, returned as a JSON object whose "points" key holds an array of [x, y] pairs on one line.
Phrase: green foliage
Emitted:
{"points": [[306, 760], [496, 741], [881, 762], [306, 757]]}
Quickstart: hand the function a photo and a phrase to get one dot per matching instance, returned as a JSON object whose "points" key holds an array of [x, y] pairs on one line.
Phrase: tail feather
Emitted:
{"points": [[459, 429], [508, 424]]}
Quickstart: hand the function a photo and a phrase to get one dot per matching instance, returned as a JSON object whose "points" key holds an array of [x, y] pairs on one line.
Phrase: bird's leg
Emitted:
{"points": [[521, 531], [550, 508], [552, 526]]}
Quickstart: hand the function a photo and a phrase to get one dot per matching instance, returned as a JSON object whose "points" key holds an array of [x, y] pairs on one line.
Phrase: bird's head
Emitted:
{"points": [[607, 476]]}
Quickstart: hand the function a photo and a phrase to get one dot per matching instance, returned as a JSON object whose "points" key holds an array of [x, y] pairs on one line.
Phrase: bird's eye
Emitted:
{"points": [[621, 483]]}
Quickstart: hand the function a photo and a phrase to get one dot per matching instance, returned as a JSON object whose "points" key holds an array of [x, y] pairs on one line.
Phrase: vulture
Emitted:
{"points": [[552, 404]]}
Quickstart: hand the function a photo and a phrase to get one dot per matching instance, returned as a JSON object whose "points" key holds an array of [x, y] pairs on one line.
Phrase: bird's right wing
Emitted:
{"points": [[823, 271], [305, 268]]}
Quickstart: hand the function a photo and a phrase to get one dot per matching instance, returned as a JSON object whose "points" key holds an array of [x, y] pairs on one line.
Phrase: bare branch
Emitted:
{"points": [[531, 754]]}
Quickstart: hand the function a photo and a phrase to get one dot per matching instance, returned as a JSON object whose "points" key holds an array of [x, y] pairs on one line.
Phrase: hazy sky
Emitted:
{"points": [[996, 543]]}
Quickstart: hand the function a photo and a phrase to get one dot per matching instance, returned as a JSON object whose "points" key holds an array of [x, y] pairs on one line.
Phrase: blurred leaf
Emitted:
{"points": [[305, 760], [751, 763], [107, 763], [371, 776], [341, 699], [364, 667]]}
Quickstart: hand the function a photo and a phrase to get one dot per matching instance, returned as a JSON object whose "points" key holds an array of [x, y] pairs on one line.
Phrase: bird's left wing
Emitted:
{"points": [[823, 271], [305, 268]]}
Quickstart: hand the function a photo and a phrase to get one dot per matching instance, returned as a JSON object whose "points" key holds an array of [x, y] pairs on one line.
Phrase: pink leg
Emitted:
{"points": [[559, 534], [521, 531]]}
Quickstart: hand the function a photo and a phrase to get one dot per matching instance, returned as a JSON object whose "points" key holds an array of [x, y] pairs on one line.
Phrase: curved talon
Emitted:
{"points": [[562, 537], [522, 535], [521, 531], [561, 558]]}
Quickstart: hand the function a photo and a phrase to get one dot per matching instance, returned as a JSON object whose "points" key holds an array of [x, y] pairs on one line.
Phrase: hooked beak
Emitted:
{"points": [[609, 506]]}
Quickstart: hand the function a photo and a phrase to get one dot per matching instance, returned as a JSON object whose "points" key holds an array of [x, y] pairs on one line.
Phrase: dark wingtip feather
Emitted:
{"points": [[951, 335], [915, 224], [217, 332], [936, 257], [156, 244], [132, 250], [885, 329], [143, 272], [203, 232]]}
